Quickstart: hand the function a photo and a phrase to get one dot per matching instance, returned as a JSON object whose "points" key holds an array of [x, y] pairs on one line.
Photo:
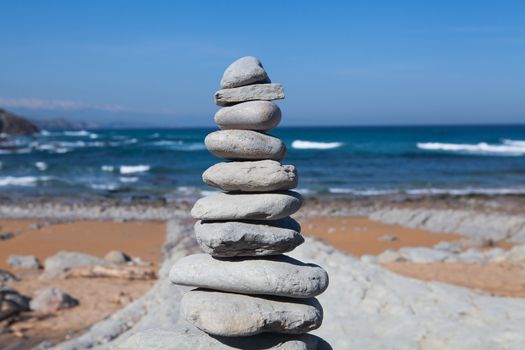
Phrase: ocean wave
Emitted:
{"points": [[22, 180], [104, 186], [300, 144], [368, 192], [42, 166], [517, 143], [180, 145], [127, 179], [108, 168], [511, 148], [431, 191], [132, 169], [80, 133]]}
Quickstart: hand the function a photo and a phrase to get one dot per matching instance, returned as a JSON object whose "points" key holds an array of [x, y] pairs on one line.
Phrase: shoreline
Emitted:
{"points": [[363, 230]]}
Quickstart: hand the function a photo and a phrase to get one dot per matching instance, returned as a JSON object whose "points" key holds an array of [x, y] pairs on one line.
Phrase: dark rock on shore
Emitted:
{"points": [[12, 124]]}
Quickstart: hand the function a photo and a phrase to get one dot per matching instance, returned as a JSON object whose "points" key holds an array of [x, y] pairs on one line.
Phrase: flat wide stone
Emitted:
{"points": [[248, 176], [277, 275], [255, 238], [265, 92], [245, 71], [251, 115], [233, 315], [244, 144], [185, 338], [253, 206]]}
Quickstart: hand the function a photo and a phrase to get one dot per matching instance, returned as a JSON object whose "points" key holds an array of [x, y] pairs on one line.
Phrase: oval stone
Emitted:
{"points": [[252, 115], [245, 71], [244, 144], [266, 92], [255, 206], [277, 275], [248, 176], [234, 315], [254, 238]]}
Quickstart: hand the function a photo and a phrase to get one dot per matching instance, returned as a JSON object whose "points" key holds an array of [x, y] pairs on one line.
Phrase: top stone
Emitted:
{"points": [[245, 71]]}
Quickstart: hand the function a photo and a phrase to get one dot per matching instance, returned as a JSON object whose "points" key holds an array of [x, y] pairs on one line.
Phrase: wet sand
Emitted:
{"points": [[359, 235], [137, 238]]}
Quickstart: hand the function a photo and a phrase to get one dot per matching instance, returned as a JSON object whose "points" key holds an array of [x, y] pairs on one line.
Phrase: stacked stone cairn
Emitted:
{"points": [[245, 285]]}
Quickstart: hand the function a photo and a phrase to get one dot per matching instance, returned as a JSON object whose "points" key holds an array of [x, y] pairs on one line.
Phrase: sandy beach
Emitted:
{"points": [[100, 297]]}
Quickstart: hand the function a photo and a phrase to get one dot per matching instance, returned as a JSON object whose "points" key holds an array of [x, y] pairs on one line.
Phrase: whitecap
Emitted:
{"points": [[367, 192], [300, 144], [104, 187], [518, 143], [42, 166], [77, 133], [481, 148], [131, 169], [180, 145], [22, 180], [128, 179], [108, 168]]}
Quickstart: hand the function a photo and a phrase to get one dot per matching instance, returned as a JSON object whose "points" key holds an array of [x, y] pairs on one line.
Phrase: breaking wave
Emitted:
{"points": [[300, 144], [507, 148]]}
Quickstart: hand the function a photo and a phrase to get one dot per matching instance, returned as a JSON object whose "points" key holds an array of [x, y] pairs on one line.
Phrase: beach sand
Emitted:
{"points": [[100, 297]]}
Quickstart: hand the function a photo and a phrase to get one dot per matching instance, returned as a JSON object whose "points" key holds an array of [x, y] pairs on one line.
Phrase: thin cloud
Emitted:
{"points": [[65, 105]]}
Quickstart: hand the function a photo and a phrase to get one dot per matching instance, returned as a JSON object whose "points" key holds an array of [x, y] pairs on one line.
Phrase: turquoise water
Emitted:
{"points": [[167, 163]]}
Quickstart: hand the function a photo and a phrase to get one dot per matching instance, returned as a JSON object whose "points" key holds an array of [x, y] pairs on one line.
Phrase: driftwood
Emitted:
{"points": [[120, 272]]}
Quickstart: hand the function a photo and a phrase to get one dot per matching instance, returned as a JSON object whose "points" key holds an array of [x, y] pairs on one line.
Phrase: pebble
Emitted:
{"points": [[244, 144], [248, 176], [117, 257], [23, 262], [252, 115], [52, 299], [256, 238], [265, 92], [239, 206], [232, 315], [245, 71], [277, 275]]}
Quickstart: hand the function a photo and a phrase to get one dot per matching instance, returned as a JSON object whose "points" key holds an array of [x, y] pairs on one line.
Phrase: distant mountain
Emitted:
{"points": [[61, 123], [13, 124]]}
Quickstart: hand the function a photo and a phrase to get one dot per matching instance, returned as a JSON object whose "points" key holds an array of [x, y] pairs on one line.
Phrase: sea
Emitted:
{"points": [[152, 164]]}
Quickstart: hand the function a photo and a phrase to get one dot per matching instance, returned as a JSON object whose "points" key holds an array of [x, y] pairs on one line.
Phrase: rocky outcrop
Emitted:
{"points": [[473, 224], [12, 124]]}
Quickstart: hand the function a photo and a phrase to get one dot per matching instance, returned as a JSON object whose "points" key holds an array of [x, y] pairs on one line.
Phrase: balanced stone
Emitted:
{"points": [[248, 176], [245, 71], [191, 338], [255, 238], [266, 92], [232, 315], [239, 206], [277, 275], [251, 115], [244, 144]]}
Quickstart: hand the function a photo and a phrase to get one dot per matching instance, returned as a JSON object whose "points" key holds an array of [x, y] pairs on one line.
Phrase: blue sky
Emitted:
{"points": [[341, 62]]}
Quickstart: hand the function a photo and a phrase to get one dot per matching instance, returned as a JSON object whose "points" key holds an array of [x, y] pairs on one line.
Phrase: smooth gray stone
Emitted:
{"points": [[277, 275], [255, 238], [245, 71], [251, 115], [195, 339], [251, 176], [237, 315], [253, 206], [23, 262], [244, 144], [265, 92]]}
